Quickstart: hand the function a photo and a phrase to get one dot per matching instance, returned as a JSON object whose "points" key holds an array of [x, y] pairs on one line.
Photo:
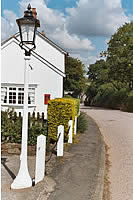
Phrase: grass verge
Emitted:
{"points": [[106, 192]]}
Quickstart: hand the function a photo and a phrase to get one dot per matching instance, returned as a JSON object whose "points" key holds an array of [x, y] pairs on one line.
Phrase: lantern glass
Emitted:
{"points": [[27, 28], [28, 33]]}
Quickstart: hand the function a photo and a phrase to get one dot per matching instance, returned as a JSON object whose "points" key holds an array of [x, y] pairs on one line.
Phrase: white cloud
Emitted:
{"points": [[53, 23], [89, 17], [47, 16], [8, 24], [86, 59], [97, 17], [71, 41]]}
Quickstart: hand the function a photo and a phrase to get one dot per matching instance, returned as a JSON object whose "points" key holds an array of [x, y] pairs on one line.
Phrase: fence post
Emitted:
{"points": [[40, 158], [70, 131], [60, 143], [75, 126]]}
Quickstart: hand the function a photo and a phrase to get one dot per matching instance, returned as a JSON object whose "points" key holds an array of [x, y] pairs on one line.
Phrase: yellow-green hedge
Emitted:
{"points": [[76, 103], [60, 111]]}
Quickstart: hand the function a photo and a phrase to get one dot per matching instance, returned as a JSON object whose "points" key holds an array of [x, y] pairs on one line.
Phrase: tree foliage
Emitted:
{"points": [[112, 77], [98, 72], [75, 79], [119, 56]]}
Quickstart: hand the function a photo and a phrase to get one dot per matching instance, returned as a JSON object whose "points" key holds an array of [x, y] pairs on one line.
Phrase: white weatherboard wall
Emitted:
{"points": [[47, 81], [50, 53]]}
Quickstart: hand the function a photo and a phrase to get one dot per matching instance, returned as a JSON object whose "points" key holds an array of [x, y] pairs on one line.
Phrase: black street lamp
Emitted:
{"points": [[27, 28]]}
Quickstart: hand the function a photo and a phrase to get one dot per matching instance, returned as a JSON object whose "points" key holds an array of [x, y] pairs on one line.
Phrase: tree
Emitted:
{"points": [[111, 80], [119, 56], [98, 72], [75, 80], [97, 75]]}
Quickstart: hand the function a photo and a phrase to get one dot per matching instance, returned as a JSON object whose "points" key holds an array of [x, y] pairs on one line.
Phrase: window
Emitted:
{"points": [[46, 98], [20, 95], [15, 95], [12, 95], [3, 94], [31, 98]]}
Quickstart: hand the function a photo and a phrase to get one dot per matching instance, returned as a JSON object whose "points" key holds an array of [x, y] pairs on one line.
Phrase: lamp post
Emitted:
{"points": [[27, 28]]}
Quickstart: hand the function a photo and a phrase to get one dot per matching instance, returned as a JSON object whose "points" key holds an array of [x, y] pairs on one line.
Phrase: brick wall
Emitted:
{"points": [[15, 149]]}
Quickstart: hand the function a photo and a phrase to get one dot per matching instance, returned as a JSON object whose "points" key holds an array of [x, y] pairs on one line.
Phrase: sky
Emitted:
{"points": [[82, 27]]}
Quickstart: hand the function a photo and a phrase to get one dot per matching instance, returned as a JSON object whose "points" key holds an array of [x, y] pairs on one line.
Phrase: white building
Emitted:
{"points": [[46, 72]]}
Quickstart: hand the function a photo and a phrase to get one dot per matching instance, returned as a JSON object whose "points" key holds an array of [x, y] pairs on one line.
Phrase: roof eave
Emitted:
{"points": [[43, 37], [13, 36]]}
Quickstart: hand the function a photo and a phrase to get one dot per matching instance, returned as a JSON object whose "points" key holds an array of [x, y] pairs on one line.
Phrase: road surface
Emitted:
{"points": [[80, 176], [117, 129]]}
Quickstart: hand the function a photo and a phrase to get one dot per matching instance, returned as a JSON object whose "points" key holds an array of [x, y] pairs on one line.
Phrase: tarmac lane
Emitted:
{"points": [[117, 129], [81, 175]]}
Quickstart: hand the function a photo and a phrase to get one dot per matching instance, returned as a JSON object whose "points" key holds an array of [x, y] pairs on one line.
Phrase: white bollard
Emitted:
{"points": [[75, 126], [40, 158], [60, 143], [70, 131]]}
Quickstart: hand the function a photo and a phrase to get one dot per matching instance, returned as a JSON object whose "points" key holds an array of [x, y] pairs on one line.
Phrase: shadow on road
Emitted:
{"points": [[94, 108], [3, 162]]}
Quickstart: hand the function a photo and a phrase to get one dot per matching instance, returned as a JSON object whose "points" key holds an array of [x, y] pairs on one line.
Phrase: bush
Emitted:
{"points": [[110, 97], [104, 96], [60, 111], [11, 128], [83, 122], [68, 96], [90, 94], [37, 126], [119, 98], [129, 103]]}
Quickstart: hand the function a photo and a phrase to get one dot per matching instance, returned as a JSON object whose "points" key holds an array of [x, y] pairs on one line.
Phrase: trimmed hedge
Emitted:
{"points": [[76, 103], [60, 111]]}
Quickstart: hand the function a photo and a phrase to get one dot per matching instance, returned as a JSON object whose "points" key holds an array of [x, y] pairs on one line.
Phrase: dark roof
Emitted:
{"points": [[43, 37]]}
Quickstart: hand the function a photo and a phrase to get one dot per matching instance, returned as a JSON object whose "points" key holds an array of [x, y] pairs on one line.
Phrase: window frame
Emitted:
{"points": [[8, 90]]}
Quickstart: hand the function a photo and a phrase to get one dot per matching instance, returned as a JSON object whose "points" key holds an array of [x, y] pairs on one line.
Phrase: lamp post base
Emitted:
{"points": [[22, 180]]}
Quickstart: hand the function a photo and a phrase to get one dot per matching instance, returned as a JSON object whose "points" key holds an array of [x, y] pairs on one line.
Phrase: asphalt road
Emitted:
{"points": [[81, 174], [117, 129]]}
